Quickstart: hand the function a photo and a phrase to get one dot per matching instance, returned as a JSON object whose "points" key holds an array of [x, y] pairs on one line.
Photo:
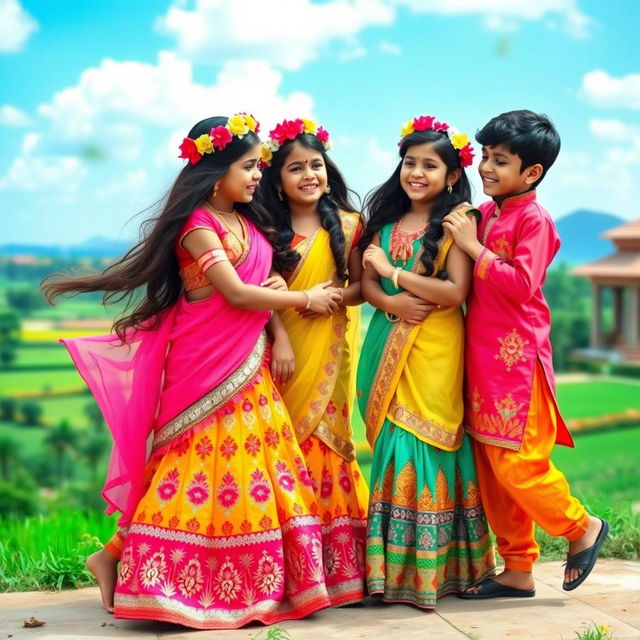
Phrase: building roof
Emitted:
{"points": [[624, 265], [627, 231]]}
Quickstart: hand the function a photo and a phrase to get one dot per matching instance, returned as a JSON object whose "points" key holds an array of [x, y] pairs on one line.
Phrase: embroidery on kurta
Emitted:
{"points": [[511, 349], [502, 248], [483, 264]]}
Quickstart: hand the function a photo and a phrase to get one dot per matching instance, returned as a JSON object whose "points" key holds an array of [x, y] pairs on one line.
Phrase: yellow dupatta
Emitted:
{"points": [[320, 395], [418, 378]]}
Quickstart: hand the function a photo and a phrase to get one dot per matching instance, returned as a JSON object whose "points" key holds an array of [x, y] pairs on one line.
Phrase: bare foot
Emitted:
{"points": [[104, 567], [588, 538], [510, 578]]}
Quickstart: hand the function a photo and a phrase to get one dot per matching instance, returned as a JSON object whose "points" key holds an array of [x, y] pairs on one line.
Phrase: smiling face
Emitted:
{"points": [[502, 172], [423, 173], [239, 182], [303, 177]]}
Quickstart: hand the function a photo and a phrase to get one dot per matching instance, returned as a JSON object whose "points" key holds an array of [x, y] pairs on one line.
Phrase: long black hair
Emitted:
{"points": [[151, 265], [328, 205], [389, 202]]}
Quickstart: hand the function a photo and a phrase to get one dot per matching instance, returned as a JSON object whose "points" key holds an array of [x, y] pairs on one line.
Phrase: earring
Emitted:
{"points": [[280, 196], [328, 189], [215, 190], [449, 188]]}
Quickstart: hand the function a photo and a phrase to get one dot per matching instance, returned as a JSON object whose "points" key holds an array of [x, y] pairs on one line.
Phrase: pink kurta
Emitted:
{"points": [[508, 321]]}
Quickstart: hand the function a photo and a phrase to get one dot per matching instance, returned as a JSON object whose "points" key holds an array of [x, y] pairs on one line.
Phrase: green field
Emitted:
{"points": [[21, 382], [56, 354], [597, 398]]}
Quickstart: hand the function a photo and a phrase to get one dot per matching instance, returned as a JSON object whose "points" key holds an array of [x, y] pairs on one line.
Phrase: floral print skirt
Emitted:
{"points": [[342, 496], [228, 531]]}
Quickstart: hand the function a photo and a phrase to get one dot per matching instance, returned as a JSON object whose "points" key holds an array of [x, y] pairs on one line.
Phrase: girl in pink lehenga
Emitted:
{"points": [[219, 523]]}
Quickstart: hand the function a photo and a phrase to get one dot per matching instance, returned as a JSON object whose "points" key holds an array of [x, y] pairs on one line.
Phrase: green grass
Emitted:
{"points": [[56, 354], [597, 398], [48, 552], [28, 440], [70, 408], [16, 382]]}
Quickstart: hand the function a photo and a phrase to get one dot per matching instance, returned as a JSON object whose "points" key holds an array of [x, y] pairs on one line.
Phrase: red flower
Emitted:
{"points": [[322, 135], [423, 123], [204, 448], [262, 400], [331, 408], [287, 130], [271, 437], [440, 126], [252, 444], [246, 405], [190, 151], [228, 448], [220, 137], [466, 155]]}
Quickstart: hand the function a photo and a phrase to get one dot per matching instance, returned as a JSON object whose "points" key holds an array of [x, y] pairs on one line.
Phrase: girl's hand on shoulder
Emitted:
{"points": [[275, 282], [410, 308], [377, 258], [282, 360]]}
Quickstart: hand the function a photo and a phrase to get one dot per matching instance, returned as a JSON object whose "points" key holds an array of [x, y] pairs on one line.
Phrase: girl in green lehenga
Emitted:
{"points": [[427, 534]]}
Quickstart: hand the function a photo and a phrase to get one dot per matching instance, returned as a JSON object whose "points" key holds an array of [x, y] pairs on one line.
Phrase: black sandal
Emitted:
{"points": [[490, 588], [586, 559]]}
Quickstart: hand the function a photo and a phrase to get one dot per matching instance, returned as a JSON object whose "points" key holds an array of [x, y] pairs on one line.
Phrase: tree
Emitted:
{"points": [[9, 337], [94, 449], [62, 440], [94, 415], [25, 300], [8, 407], [7, 453], [31, 412]]}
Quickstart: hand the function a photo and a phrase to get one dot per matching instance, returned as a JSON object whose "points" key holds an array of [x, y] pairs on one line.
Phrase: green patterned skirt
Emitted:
{"points": [[427, 534]]}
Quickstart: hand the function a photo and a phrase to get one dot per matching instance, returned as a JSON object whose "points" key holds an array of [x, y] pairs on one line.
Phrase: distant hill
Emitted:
{"points": [[96, 247], [580, 233]]}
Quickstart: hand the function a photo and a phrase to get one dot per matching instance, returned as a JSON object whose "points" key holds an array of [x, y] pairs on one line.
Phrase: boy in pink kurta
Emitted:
{"points": [[511, 410]]}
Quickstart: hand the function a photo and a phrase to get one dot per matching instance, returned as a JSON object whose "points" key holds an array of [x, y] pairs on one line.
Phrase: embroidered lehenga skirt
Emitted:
{"points": [[227, 531]]}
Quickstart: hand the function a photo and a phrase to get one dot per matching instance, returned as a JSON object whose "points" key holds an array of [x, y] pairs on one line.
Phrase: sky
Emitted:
{"points": [[95, 97]]}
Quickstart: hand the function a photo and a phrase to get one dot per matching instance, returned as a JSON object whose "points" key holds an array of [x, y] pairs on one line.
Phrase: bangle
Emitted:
{"points": [[394, 277], [308, 301]]}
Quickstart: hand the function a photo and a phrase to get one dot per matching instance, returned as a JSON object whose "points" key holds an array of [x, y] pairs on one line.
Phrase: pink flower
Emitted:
{"points": [[440, 126], [259, 488], [198, 488], [246, 405], [190, 151], [228, 491], [322, 135], [262, 400], [287, 130], [466, 155], [168, 485], [423, 123], [331, 408], [326, 484], [221, 137]]}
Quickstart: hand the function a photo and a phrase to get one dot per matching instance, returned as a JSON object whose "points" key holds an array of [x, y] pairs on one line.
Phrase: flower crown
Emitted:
{"points": [[219, 137], [459, 141], [290, 130]]}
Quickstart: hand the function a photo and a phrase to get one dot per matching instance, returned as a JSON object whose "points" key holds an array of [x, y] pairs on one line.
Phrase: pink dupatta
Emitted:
{"points": [[157, 373]]}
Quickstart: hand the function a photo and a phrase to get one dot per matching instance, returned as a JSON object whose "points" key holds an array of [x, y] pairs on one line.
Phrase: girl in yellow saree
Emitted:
{"points": [[313, 354], [427, 534]]}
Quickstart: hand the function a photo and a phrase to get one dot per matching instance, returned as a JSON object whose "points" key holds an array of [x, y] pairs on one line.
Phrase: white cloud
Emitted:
{"points": [[16, 25], [119, 112], [504, 14], [613, 130], [352, 53], [390, 47], [603, 90], [285, 33], [36, 171], [133, 182], [11, 116]]}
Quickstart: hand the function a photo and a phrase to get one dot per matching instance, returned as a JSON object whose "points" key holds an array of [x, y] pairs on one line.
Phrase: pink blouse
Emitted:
{"points": [[508, 321]]}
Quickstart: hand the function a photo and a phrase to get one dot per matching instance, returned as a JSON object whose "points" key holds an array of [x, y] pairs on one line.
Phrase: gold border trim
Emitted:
{"points": [[497, 442], [213, 400]]}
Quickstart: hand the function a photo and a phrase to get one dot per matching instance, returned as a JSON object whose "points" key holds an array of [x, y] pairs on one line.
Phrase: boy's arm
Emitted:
{"points": [[522, 276]]}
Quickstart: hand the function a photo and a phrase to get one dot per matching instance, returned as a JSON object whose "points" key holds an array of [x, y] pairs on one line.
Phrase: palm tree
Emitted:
{"points": [[62, 441], [94, 449]]}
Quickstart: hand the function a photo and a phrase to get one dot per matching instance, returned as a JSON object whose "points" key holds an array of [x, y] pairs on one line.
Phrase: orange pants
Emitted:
{"points": [[115, 544], [521, 487]]}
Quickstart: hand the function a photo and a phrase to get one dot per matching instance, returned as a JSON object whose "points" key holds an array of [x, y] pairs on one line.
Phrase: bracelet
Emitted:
{"points": [[306, 308], [394, 277]]}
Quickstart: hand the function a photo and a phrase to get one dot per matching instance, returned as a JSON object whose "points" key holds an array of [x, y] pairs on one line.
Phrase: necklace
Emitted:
{"points": [[242, 241], [401, 244]]}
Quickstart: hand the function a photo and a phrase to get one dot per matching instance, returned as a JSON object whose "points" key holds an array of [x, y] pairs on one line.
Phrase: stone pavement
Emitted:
{"points": [[611, 597]]}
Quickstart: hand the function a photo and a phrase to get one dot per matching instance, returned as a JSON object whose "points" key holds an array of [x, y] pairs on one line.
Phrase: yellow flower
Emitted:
{"points": [[266, 154], [250, 121], [237, 125], [310, 126], [603, 628], [459, 140], [407, 129], [204, 144]]}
